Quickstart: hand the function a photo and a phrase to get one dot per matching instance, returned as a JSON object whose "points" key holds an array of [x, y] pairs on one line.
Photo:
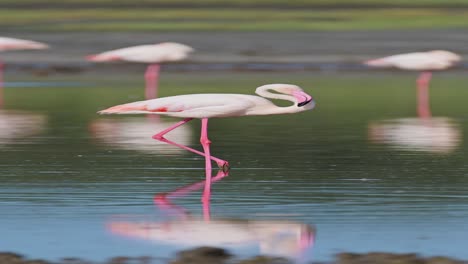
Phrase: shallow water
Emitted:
{"points": [[361, 170]]}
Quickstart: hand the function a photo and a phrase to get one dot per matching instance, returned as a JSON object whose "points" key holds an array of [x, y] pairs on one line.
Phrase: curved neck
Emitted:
{"points": [[264, 92], [274, 109]]}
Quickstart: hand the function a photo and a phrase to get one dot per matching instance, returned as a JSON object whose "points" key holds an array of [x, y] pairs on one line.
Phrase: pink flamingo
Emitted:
{"points": [[420, 61], [15, 44], [153, 54], [205, 106]]}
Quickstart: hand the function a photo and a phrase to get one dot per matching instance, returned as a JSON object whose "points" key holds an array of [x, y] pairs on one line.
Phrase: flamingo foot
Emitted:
{"points": [[223, 165]]}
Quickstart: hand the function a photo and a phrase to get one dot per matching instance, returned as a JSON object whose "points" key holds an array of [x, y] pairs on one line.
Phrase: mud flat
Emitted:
{"points": [[210, 255]]}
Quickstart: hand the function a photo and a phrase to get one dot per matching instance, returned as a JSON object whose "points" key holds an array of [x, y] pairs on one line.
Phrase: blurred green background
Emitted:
{"points": [[242, 15]]}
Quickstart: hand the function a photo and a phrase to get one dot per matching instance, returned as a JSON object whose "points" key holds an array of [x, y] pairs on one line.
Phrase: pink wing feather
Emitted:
{"points": [[141, 107]]}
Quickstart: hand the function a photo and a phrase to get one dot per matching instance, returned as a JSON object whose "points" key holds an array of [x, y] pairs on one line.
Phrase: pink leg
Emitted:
{"points": [[224, 165], [423, 95], [152, 77], [206, 147], [1, 84]]}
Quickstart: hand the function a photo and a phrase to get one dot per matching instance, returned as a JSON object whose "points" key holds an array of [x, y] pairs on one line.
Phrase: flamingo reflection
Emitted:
{"points": [[135, 134], [15, 126], [274, 237], [436, 134]]}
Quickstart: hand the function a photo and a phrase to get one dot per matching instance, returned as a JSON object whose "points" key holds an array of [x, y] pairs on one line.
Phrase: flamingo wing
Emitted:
{"points": [[194, 106]]}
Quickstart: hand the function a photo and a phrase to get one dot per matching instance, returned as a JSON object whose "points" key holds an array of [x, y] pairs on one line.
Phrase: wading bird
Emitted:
{"points": [[15, 44], [153, 55], [426, 62], [205, 106]]}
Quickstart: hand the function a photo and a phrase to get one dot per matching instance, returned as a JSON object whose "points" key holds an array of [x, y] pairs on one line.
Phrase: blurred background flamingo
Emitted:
{"points": [[426, 62], [153, 55], [7, 44]]}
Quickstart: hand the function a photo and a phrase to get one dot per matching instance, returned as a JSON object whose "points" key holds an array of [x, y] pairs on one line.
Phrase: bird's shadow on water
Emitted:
{"points": [[282, 238]]}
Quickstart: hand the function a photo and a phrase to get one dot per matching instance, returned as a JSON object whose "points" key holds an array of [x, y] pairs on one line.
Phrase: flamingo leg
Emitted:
{"points": [[152, 78], [1, 84], [224, 165], [423, 94], [206, 148]]}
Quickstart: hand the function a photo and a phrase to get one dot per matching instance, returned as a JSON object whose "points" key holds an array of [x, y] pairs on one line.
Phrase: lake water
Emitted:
{"points": [[359, 173]]}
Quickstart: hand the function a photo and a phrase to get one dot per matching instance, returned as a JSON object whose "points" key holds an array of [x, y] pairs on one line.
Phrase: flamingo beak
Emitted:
{"points": [[302, 98]]}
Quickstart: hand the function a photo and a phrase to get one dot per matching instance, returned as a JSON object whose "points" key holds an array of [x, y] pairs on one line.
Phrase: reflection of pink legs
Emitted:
{"points": [[1, 84], [160, 136], [161, 200], [206, 147], [152, 77], [423, 94]]}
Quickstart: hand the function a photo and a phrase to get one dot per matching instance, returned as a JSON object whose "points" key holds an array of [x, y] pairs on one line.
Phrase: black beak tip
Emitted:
{"points": [[303, 103]]}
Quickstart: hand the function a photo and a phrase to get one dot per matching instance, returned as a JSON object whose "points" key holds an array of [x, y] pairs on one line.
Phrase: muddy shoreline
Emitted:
{"points": [[210, 255]]}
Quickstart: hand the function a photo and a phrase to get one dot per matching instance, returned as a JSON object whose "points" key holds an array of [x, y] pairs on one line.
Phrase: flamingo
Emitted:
{"points": [[205, 106], [15, 44], [154, 54], [426, 62]]}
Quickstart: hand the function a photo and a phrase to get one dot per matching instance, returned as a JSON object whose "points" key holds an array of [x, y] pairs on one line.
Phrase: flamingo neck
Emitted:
{"points": [[274, 109]]}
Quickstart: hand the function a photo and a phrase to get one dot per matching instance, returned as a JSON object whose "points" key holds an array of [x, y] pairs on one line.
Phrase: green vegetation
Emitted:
{"points": [[243, 3], [238, 15]]}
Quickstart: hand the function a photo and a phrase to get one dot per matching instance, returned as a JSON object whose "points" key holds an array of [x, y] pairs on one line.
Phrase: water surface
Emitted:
{"points": [[361, 170]]}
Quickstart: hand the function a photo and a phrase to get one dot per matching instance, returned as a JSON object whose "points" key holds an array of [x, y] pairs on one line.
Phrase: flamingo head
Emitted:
{"points": [[295, 94]]}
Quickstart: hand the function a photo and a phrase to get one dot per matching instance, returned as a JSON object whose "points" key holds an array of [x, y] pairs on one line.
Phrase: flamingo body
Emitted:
{"points": [[157, 53], [216, 105], [20, 44], [418, 61]]}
